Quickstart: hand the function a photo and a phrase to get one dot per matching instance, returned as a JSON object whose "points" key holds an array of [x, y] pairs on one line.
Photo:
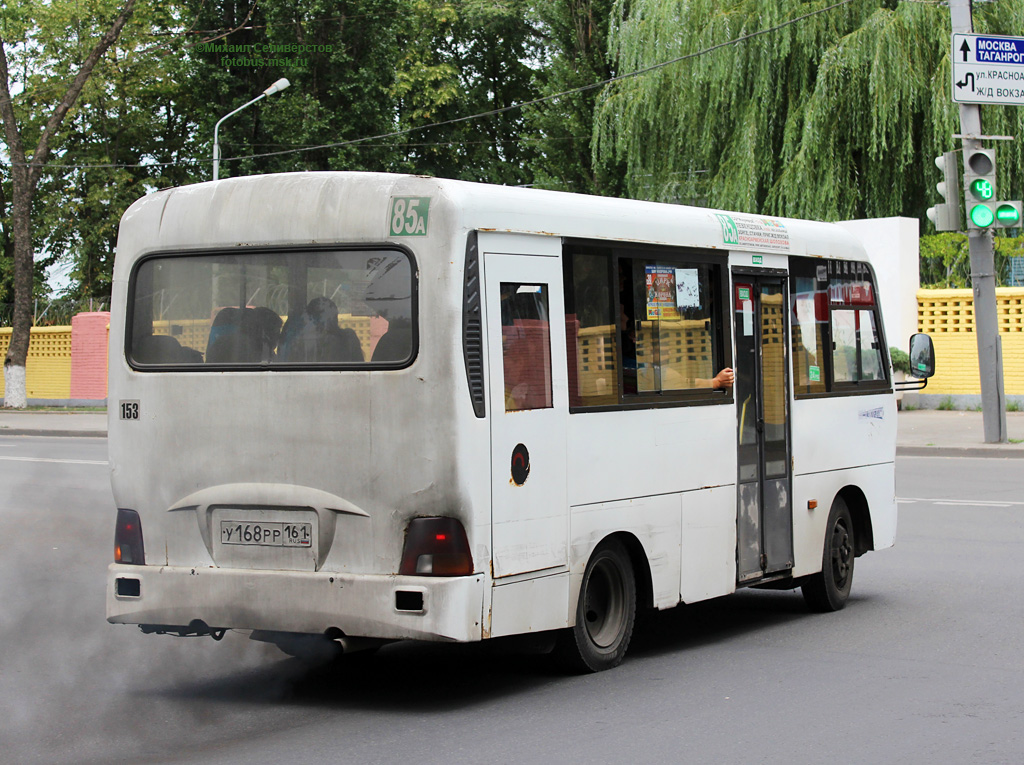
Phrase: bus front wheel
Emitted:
{"points": [[830, 589], [605, 612]]}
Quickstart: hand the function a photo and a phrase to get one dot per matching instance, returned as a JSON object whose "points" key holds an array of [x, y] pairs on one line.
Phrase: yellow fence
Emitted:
{"points": [[948, 316], [48, 367]]}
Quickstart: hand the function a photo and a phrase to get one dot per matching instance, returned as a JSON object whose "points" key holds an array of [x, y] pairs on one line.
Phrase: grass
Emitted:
{"points": [[1012, 406], [1017, 440], [946, 405]]}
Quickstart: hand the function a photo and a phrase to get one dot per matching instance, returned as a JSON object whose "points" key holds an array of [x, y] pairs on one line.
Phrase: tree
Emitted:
{"points": [[832, 115], [574, 34], [75, 43], [340, 56], [461, 58], [124, 138]]}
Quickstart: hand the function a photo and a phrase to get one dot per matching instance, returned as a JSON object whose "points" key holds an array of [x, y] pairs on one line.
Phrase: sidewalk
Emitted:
{"points": [[36, 423], [922, 432], [933, 433]]}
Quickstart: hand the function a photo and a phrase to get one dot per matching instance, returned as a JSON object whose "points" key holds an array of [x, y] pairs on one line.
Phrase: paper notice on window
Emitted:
{"points": [[687, 288], [748, 318], [661, 292]]}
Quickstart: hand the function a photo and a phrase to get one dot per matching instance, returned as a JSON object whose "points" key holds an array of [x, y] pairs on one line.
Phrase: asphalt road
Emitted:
{"points": [[924, 665]]}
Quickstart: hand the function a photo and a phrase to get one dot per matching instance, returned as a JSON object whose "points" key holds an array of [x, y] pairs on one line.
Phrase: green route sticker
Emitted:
{"points": [[744, 293], [730, 233], [408, 216], [814, 373]]}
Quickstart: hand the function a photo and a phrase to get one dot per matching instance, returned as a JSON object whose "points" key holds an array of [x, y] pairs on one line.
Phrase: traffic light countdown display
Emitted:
{"points": [[983, 210]]}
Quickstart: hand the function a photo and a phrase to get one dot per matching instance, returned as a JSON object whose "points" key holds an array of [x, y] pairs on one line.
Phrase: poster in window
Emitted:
{"points": [[687, 288], [661, 292]]}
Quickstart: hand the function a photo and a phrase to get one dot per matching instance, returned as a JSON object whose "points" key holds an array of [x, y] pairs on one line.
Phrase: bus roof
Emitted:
{"points": [[296, 208]]}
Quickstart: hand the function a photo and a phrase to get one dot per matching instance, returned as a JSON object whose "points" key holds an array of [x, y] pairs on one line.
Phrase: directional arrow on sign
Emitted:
{"points": [[965, 49], [969, 77]]}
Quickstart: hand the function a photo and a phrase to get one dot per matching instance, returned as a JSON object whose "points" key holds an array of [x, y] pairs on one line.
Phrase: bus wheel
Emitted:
{"points": [[604, 613], [829, 590]]}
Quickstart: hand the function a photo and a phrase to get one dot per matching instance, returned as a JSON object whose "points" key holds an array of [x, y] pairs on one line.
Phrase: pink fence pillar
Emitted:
{"points": [[89, 355]]}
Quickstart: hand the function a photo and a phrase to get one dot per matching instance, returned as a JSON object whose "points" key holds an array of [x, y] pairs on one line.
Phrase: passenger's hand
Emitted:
{"points": [[723, 379]]}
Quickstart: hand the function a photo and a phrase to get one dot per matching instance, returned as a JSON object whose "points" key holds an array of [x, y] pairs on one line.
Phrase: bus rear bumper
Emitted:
{"points": [[375, 606]]}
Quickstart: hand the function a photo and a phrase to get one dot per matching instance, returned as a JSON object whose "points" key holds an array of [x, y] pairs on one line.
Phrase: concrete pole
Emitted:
{"points": [[983, 272]]}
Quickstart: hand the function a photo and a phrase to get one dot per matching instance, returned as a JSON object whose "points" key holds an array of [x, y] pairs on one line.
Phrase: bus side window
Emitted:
{"points": [[837, 345], [526, 346], [590, 327], [643, 325], [810, 330]]}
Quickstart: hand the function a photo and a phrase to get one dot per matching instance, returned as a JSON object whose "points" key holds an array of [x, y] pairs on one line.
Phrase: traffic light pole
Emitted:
{"points": [[983, 272]]}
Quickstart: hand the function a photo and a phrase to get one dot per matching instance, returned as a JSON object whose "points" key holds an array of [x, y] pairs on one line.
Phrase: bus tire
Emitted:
{"points": [[605, 613], [829, 590]]}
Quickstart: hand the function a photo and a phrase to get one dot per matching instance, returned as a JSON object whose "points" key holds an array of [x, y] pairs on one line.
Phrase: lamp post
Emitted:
{"points": [[277, 87]]}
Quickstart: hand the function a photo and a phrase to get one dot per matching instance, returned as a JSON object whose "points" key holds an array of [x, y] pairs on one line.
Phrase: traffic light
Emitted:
{"points": [[946, 215], [980, 187], [1007, 214]]}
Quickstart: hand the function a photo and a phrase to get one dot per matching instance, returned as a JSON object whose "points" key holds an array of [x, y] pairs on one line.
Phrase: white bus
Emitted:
{"points": [[349, 408]]}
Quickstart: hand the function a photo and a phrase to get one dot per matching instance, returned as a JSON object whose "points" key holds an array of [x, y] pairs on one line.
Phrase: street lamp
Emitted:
{"points": [[277, 87]]}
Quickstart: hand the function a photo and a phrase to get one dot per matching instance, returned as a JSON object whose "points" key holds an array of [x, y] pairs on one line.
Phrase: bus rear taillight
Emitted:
{"points": [[128, 539], [436, 547]]}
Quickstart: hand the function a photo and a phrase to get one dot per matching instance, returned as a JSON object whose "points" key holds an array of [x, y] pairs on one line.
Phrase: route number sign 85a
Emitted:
{"points": [[408, 216]]}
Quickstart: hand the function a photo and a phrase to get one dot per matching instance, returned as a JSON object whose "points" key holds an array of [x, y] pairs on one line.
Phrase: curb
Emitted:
{"points": [[53, 433], [990, 452]]}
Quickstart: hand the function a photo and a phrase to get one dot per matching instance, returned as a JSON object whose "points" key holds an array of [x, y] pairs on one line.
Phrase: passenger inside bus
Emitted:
{"points": [[316, 336], [243, 335]]}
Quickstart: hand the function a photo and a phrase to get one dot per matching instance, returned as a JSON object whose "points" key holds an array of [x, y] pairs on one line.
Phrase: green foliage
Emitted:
{"points": [[946, 262], [46, 43], [466, 57], [574, 34], [835, 116], [1012, 406], [145, 121], [946, 405], [900, 360]]}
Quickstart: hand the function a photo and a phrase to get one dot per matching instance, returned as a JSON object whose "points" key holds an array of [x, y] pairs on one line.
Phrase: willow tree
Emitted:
{"points": [[818, 112]]}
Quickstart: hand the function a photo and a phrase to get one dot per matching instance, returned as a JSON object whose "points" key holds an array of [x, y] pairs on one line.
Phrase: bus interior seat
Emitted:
{"points": [[163, 349]]}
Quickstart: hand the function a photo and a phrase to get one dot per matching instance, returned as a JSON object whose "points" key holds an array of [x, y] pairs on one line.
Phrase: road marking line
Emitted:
{"points": [[50, 459], [955, 502]]}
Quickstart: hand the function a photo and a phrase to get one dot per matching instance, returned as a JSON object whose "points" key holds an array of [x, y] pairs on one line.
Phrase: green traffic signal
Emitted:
{"points": [[1008, 215], [982, 189], [982, 216]]}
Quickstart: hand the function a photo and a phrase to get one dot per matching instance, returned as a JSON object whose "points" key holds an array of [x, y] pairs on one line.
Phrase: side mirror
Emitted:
{"points": [[922, 356]]}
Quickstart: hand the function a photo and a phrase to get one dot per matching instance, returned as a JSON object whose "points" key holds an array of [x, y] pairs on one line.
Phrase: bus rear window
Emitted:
{"points": [[278, 309]]}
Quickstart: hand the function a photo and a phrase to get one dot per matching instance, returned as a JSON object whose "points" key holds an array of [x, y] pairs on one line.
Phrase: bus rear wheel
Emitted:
{"points": [[830, 589], [605, 612]]}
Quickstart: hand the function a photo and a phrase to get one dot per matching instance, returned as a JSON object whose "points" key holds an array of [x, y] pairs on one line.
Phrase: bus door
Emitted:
{"points": [[764, 524], [528, 412]]}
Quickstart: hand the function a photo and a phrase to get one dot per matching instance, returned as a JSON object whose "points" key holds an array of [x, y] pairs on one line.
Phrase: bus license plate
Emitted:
{"points": [[266, 534]]}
